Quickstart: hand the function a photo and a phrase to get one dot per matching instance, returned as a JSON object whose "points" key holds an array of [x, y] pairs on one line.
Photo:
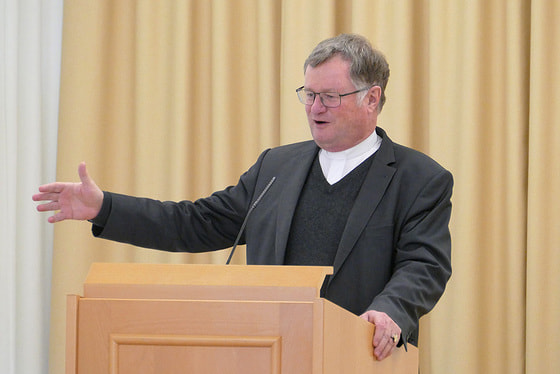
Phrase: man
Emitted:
{"points": [[376, 211]]}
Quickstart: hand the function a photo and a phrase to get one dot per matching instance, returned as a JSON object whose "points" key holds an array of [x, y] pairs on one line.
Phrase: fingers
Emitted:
{"points": [[45, 196], [54, 206], [385, 347], [57, 217], [47, 207], [382, 334], [69, 200], [385, 330], [51, 190], [55, 187], [51, 205]]}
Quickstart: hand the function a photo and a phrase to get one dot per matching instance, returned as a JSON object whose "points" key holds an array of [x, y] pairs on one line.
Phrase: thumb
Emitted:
{"points": [[83, 174]]}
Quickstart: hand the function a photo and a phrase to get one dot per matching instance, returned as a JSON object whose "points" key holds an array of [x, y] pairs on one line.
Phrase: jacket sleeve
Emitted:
{"points": [[206, 224], [422, 262]]}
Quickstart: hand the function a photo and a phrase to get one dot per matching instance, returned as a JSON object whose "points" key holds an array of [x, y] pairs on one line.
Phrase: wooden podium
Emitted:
{"points": [[145, 318]]}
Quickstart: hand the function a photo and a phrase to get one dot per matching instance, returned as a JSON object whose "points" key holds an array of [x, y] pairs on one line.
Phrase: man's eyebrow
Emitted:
{"points": [[333, 90]]}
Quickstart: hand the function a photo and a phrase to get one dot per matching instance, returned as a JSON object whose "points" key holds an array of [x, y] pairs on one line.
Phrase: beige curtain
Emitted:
{"points": [[543, 198], [175, 99]]}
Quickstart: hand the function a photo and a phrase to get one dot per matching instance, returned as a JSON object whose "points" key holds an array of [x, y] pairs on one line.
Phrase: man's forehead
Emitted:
{"points": [[334, 73]]}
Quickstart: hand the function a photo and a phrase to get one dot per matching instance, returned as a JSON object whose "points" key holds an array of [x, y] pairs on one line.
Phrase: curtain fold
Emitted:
{"points": [[543, 223], [175, 99]]}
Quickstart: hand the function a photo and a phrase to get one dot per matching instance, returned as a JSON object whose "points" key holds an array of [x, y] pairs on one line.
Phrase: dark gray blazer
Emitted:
{"points": [[395, 252]]}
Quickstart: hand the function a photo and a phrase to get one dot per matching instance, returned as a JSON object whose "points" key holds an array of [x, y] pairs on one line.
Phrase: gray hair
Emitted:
{"points": [[368, 66]]}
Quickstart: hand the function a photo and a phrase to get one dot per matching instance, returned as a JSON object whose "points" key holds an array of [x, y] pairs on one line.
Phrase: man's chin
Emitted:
{"points": [[329, 146]]}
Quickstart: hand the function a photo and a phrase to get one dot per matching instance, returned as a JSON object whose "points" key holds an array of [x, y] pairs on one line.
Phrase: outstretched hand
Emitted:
{"points": [[387, 333], [78, 201]]}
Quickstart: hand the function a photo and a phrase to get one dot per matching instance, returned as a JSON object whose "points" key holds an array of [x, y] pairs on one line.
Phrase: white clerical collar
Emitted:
{"points": [[336, 165]]}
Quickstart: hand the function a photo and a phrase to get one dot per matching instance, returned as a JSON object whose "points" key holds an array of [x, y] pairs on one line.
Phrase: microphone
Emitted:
{"points": [[247, 217]]}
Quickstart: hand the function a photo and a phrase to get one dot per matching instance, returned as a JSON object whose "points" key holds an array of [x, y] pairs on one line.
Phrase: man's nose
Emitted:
{"points": [[317, 106]]}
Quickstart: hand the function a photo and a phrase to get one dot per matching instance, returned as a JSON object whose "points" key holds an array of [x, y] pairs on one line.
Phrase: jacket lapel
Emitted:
{"points": [[297, 169], [371, 193]]}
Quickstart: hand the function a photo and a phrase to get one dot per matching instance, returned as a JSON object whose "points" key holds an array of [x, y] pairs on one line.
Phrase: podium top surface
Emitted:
{"points": [[128, 276]]}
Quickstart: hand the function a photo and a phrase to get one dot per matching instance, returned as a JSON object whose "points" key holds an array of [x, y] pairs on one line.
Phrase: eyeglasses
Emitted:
{"points": [[328, 99]]}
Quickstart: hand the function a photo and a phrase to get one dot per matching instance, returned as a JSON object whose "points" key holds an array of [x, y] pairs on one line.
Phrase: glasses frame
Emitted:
{"points": [[340, 96]]}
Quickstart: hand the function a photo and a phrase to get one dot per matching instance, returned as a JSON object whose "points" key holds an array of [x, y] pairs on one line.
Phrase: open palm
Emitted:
{"points": [[77, 201]]}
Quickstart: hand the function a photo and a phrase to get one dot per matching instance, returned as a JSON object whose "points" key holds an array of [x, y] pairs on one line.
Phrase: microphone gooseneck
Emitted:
{"points": [[247, 217]]}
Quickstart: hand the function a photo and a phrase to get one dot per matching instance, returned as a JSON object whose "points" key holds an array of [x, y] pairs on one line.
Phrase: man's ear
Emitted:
{"points": [[373, 97]]}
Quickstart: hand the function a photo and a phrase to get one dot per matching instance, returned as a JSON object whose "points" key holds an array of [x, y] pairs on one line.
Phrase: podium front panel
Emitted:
{"points": [[181, 336]]}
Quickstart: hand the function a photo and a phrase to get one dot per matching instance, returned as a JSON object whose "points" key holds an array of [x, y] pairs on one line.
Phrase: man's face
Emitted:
{"points": [[340, 128]]}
